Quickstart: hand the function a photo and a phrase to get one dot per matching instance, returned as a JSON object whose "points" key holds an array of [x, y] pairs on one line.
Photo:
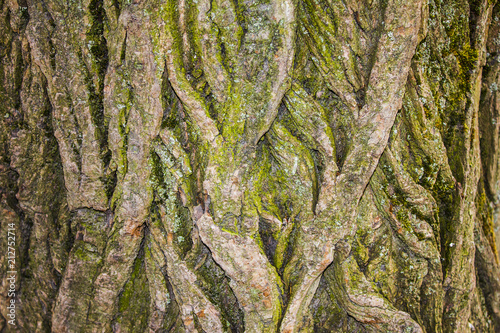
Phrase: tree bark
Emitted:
{"points": [[259, 166]]}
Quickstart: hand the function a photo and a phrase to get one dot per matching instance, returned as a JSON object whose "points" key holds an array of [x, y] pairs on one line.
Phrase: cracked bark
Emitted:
{"points": [[227, 166]]}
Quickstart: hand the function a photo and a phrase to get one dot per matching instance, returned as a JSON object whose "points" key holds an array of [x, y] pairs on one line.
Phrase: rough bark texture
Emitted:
{"points": [[251, 166]]}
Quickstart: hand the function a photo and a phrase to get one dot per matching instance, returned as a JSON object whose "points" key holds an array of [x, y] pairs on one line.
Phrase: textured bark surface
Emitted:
{"points": [[251, 166]]}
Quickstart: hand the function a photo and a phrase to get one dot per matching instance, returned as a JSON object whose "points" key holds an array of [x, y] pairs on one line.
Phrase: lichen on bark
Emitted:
{"points": [[257, 166]]}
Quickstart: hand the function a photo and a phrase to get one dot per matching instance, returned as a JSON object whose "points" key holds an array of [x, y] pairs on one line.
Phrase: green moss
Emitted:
{"points": [[134, 301], [94, 79], [86, 252], [467, 59]]}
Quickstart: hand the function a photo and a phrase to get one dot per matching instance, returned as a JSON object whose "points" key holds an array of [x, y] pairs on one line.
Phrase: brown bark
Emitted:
{"points": [[279, 166]]}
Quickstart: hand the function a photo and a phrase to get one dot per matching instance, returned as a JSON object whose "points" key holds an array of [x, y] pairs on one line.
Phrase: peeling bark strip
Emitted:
{"points": [[251, 166]]}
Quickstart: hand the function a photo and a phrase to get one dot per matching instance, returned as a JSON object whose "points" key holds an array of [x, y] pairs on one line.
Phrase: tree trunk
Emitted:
{"points": [[249, 166]]}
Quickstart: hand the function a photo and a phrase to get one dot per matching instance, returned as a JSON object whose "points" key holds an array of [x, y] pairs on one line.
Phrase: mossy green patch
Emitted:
{"points": [[134, 300]]}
